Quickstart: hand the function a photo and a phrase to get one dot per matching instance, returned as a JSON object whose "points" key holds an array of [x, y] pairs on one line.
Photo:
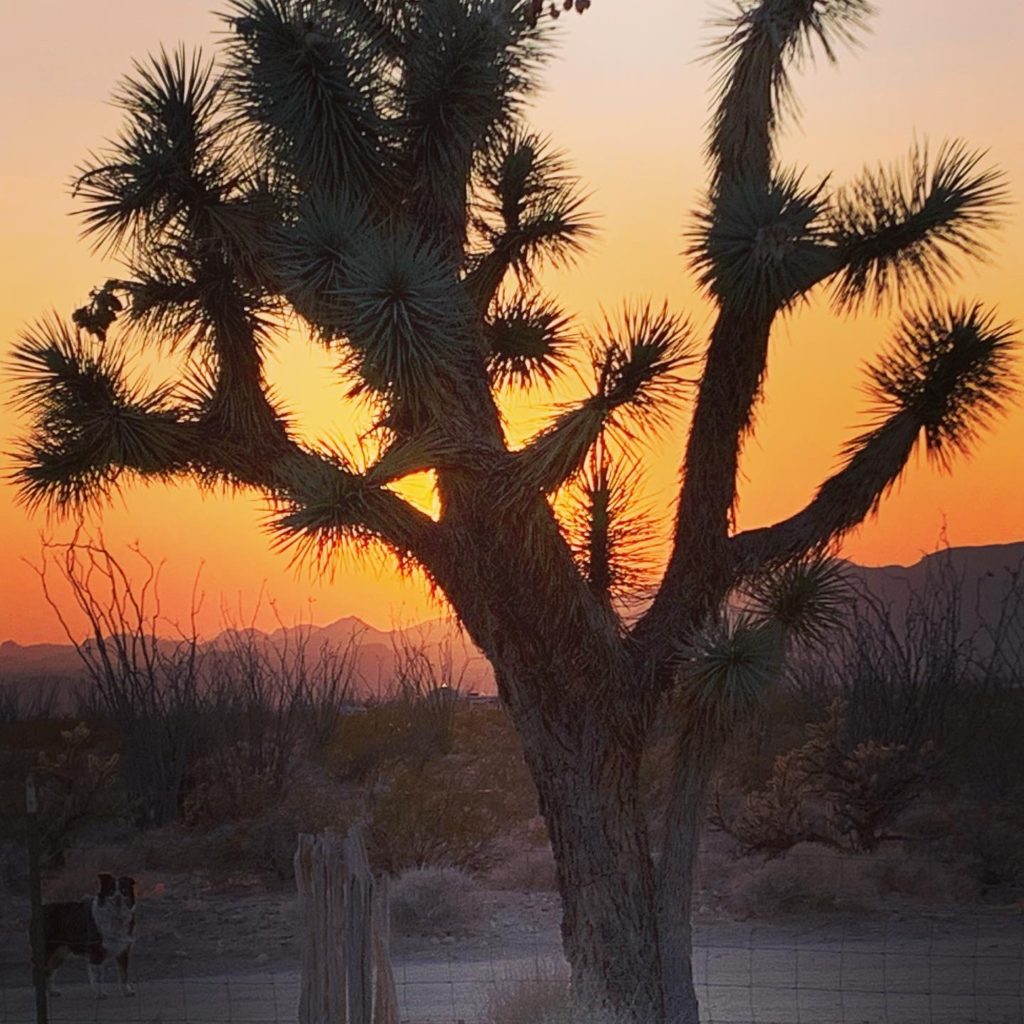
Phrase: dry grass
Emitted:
{"points": [[541, 996]]}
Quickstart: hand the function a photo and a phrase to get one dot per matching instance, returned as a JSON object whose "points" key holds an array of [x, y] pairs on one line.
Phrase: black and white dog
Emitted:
{"points": [[100, 929]]}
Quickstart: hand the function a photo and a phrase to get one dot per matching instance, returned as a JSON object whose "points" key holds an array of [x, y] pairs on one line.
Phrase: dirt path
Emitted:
{"points": [[207, 955]]}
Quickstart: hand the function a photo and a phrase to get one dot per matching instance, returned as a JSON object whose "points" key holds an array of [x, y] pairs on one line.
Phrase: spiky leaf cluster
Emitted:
{"points": [[90, 423], [807, 597], [316, 88], [898, 228], [757, 245], [529, 341], [639, 365], [530, 205], [726, 670], [169, 167], [610, 531], [641, 361], [951, 370]]}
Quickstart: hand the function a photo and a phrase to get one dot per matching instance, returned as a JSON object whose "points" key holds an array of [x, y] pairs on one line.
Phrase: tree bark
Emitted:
{"points": [[684, 820], [590, 800]]}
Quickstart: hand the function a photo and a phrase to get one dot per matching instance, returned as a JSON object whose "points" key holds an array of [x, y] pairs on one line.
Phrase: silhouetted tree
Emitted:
{"points": [[365, 164]]}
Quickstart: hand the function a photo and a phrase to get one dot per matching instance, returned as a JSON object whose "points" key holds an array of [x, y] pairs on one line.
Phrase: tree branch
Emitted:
{"points": [[638, 364], [841, 503], [762, 40], [91, 426]]}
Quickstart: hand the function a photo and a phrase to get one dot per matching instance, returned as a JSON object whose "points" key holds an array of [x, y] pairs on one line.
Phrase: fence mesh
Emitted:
{"points": [[938, 968]]}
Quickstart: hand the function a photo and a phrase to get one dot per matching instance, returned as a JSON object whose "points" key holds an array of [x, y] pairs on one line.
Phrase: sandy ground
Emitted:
{"points": [[227, 953]]}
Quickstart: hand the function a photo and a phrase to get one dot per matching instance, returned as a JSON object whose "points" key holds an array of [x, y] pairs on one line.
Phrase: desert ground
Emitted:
{"points": [[227, 951]]}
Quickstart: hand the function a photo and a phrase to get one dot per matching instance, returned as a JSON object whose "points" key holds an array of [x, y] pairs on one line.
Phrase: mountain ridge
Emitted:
{"points": [[379, 653]]}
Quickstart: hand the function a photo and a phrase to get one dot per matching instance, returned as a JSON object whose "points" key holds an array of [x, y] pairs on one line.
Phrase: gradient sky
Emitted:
{"points": [[627, 100]]}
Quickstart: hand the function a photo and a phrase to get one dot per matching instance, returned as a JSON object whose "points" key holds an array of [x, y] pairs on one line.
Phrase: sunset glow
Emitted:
{"points": [[627, 100]]}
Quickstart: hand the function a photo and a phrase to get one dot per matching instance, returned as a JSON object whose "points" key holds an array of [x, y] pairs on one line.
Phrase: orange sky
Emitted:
{"points": [[628, 101]]}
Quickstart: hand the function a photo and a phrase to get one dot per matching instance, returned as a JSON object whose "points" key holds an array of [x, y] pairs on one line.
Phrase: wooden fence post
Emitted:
{"points": [[321, 895], [358, 929], [346, 966], [35, 880], [385, 995]]}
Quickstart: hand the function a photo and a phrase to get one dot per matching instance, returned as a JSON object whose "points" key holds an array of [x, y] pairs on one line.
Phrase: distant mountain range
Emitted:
{"points": [[446, 655], [435, 652]]}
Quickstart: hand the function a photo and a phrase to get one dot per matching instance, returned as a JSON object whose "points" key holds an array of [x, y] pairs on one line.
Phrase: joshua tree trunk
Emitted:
{"points": [[589, 796], [626, 914], [676, 877]]}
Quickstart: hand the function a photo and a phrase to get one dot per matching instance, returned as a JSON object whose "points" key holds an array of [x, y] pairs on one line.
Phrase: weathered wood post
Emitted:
{"points": [[35, 881], [321, 897], [346, 964], [385, 996]]}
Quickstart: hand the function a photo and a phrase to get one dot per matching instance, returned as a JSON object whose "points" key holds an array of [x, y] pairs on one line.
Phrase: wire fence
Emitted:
{"points": [[927, 971]]}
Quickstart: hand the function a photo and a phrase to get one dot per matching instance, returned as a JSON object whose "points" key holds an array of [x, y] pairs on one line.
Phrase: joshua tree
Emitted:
{"points": [[365, 166]]}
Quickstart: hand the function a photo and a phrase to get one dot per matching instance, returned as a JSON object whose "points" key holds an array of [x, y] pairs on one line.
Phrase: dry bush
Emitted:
{"points": [[431, 768], [435, 815], [814, 881], [541, 997], [228, 788], [990, 844], [435, 901], [77, 784], [263, 842], [919, 878], [831, 790], [524, 868]]}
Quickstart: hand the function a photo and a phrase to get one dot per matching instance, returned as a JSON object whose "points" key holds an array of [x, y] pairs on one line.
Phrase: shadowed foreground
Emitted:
{"points": [[939, 969]]}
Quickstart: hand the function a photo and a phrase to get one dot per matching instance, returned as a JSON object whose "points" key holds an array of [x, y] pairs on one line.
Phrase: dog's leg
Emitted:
{"points": [[96, 979], [122, 970]]}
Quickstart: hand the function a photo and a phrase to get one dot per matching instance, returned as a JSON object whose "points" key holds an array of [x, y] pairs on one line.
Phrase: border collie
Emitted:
{"points": [[100, 929]]}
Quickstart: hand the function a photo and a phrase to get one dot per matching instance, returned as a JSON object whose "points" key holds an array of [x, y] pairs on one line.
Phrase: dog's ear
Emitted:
{"points": [[127, 886], [106, 880]]}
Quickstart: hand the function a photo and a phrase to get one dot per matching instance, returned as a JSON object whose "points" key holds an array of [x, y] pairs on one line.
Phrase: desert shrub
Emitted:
{"points": [[811, 881], [435, 816], [435, 802], [177, 702], [410, 730], [830, 790], [990, 844], [434, 901], [921, 878], [77, 785], [523, 867], [228, 788], [543, 996]]}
